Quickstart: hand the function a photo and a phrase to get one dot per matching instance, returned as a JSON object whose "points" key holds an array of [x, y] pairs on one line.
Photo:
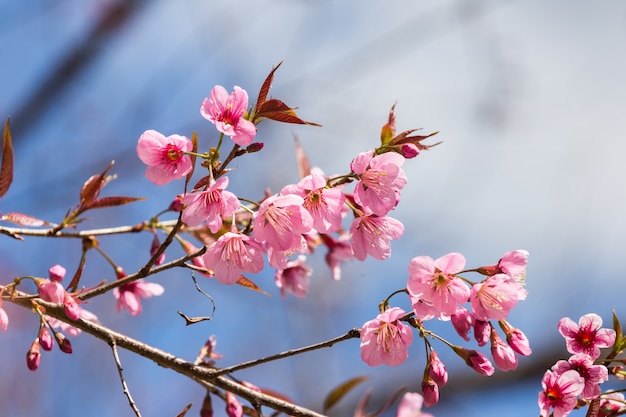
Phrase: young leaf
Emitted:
{"points": [[24, 220], [111, 202], [91, 188], [265, 88], [248, 283], [277, 110], [6, 169], [337, 393]]}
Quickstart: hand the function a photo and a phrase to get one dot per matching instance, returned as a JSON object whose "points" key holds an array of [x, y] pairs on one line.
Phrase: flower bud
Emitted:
{"points": [[45, 339], [64, 343], [71, 307], [4, 320], [33, 356], [154, 246], [409, 150], [233, 406], [51, 291], [254, 147], [176, 205], [463, 321], [56, 273], [430, 390], [516, 338], [482, 331], [475, 360], [437, 370], [207, 406], [503, 355]]}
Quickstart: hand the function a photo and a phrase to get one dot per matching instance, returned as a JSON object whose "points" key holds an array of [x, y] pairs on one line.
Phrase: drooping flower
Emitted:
{"points": [[324, 204], [386, 340], [164, 156], [33, 356], [587, 336], [475, 360], [493, 298], [294, 278], [227, 113], [411, 406], [503, 355], [593, 375], [210, 205], [482, 332], [434, 289], [380, 180], [371, 235], [462, 321], [560, 392], [516, 338], [232, 254], [129, 295], [430, 390], [281, 220], [436, 369]]}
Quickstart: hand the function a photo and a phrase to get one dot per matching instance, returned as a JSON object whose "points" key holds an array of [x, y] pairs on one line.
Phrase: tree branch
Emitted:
{"points": [[120, 372]]}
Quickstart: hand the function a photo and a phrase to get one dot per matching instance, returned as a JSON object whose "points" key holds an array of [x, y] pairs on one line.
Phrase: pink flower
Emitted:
{"points": [[560, 392], [71, 307], [211, 205], [164, 156], [371, 235], [493, 298], [281, 220], [33, 356], [593, 375], [154, 247], [232, 254], [513, 263], [227, 113], [56, 273], [4, 320], [475, 360], [51, 291], [129, 295], [45, 339], [503, 355], [433, 287], [411, 406], [437, 370], [430, 390], [339, 250], [482, 332], [386, 339], [381, 180], [294, 278], [516, 338], [586, 337], [68, 328], [324, 204], [611, 403], [233, 406]]}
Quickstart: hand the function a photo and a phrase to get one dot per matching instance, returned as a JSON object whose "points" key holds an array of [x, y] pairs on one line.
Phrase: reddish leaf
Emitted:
{"points": [[184, 412], [6, 169], [265, 88], [304, 166], [248, 283], [23, 219], [389, 129], [111, 202], [91, 188], [277, 110], [337, 393]]}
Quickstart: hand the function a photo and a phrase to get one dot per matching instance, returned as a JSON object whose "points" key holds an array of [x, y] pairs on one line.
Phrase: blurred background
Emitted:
{"points": [[530, 101]]}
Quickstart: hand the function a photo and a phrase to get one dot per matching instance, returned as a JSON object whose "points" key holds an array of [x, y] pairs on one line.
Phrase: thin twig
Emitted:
{"points": [[170, 237], [120, 372], [80, 234], [351, 334]]}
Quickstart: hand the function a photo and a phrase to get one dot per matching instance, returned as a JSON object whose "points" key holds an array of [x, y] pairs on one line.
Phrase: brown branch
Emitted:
{"points": [[207, 377], [12, 231], [118, 363]]}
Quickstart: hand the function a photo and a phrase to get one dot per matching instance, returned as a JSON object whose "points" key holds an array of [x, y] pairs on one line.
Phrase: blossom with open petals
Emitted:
{"points": [[560, 392], [587, 336], [493, 298], [226, 112], [386, 340], [371, 236], [164, 156], [129, 295], [411, 406], [232, 254], [434, 289], [380, 180], [210, 205], [280, 222], [593, 374]]}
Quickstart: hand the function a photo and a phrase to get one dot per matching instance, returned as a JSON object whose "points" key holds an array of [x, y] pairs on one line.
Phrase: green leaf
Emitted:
{"points": [[337, 393], [6, 169]]}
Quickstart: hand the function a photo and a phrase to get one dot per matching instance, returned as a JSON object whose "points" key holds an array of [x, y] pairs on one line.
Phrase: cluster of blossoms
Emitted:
{"points": [[438, 291], [580, 376]]}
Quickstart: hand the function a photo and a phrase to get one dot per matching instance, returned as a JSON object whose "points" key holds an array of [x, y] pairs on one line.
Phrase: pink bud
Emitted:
{"points": [[71, 307], [437, 370], [56, 273], [33, 356], [482, 331], [45, 339], [503, 356], [51, 291], [475, 360], [516, 339], [119, 272], [233, 406], [153, 249], [176, 205], [463, 321], [254, 147], [409, 150], [64, 343], [430, 390]]}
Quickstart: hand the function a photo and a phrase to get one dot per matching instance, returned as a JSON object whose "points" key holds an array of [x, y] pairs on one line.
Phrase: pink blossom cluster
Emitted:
{"points": [[437, 290], [580, 376]]}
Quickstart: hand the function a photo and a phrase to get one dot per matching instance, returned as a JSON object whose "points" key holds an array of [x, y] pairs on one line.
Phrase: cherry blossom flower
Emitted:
{"points": [[593, 375], [71, 307], [68, 328], [154, 247], [411, 406], [482, 332], [280, 222], [294, 278], [232, 254], [463, 322], [56, 273], [371, 235], [233, 406], [434, 289], [560, 392], [430, 390], [494, 298], [380, 180], [513, 263], [324, 204], [516, 338], [210, 205], [503, 355], [611, 403], [587, 336], [4, 319], [227, 113], [129, 295], [164, 156], [436, 369], [386, 340]]}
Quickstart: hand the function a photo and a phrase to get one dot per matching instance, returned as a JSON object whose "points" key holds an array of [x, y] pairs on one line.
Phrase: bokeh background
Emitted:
{"points": [[530, 100]]}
